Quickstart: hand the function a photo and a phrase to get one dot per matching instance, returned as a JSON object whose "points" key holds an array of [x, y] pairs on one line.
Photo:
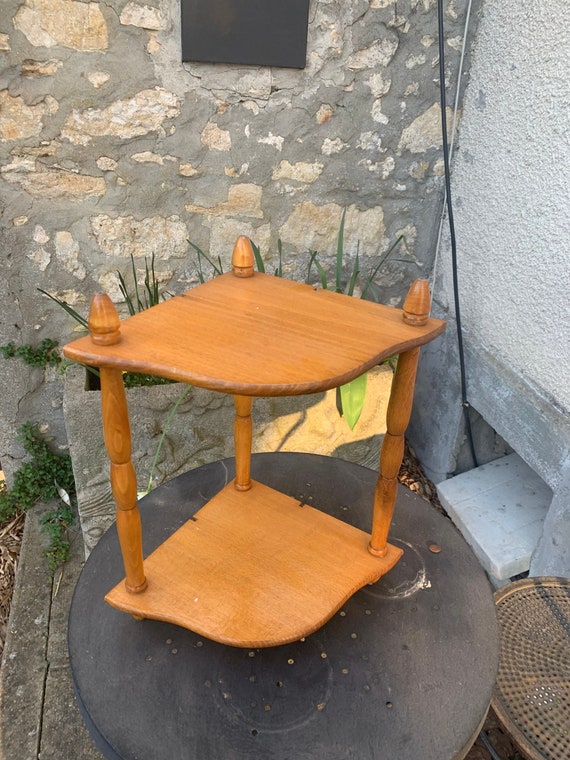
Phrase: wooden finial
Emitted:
{"points": [[104, 322], [242, 257], [417, 304]]}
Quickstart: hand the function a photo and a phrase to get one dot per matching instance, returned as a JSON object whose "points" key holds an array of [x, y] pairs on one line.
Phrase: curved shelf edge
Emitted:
{"points": [[255, 569]]}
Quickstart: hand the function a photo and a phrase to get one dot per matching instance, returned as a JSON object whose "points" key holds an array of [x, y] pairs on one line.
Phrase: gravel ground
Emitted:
{"points": [[10, 542]]}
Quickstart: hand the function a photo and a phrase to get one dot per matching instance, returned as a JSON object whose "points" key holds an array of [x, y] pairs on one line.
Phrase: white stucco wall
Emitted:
{"points": [[511, 192]]}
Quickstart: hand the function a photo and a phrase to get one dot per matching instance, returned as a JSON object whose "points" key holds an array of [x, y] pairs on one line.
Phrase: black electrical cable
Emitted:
{"points": [[464, 402], [489, 746]]}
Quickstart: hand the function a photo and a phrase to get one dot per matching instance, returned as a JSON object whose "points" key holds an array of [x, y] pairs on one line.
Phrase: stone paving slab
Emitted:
{"points": [[499, 508], [38, 716]]}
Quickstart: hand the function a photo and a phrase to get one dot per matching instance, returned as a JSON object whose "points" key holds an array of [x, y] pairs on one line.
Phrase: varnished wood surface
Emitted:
{"points": [[117, 434], [243, 435], [255, 569], [392, 452], [259, 335], [418, 303]]}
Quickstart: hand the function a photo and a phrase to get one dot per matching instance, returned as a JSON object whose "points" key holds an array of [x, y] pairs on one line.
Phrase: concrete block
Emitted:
{"points": [[38, 715], [552, 555], [64, 734], [500, 509], [24, 664]]}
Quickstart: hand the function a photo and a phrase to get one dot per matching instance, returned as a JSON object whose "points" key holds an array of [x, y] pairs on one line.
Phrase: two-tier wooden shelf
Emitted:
{"points": [[253, 567]]}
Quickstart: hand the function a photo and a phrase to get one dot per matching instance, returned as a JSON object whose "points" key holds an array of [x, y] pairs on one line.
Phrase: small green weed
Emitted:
{"points": [[55, 524], [350, 397], [36, 481], [43, 355]]}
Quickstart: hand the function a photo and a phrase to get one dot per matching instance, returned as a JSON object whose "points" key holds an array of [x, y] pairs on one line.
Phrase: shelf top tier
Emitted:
{"points": [[258, 336]]}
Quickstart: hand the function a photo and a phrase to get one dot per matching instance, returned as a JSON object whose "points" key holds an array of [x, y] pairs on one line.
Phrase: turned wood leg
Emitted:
{"points": [[105, 330], [392, 453], [415, 312], [116, 430], [242, 266], [242, 437]]}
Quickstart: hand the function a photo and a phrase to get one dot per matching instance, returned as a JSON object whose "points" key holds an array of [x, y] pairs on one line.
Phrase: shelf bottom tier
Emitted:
{"points": [[255, 569]]}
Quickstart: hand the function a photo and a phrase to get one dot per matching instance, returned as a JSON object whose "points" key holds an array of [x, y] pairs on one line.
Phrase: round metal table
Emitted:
{"points": [[404, 670]]}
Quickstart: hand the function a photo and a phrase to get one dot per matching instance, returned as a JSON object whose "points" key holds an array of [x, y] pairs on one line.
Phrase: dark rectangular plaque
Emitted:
{"points": [[252, 32]]}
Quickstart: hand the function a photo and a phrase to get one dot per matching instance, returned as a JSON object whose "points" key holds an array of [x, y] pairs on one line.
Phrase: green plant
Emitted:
{"points": [[166, 428], [352, 276], [34, 480], [66, 307], [55, 525], [217, 268], [260, 264], [43, 355], [45, 476], [151, 295], [350, 397], [135, 303]]}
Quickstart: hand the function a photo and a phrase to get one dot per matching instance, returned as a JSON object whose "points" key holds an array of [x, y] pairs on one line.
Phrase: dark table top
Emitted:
{"points": [[404, 671]]}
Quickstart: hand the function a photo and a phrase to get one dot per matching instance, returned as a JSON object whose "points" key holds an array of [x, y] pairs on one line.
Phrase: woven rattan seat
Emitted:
{"points": [[532, 695]]}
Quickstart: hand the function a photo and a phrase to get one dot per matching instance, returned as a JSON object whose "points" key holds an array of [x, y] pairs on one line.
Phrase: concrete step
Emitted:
{"points": [[500, 509], [38, 714]]}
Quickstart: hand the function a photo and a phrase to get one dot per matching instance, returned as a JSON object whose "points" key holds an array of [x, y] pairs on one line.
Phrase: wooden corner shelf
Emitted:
{"points": [[254, 568]]}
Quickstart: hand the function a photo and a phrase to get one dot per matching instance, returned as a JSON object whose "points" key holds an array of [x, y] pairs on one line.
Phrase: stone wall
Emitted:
{"points": [[110, 146]]}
